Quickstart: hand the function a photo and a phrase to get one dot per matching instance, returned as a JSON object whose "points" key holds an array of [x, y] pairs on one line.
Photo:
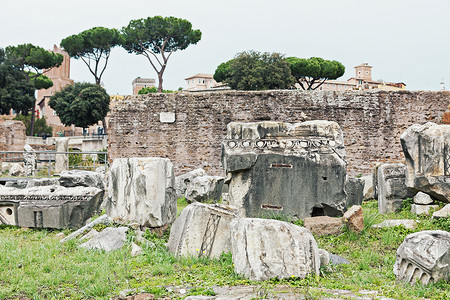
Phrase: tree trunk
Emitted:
{"points": [[160, 79], [104, 126], [33, 111]]}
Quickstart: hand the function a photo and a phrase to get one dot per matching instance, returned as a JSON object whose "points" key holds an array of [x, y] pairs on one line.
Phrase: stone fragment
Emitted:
{"points": [[324, 257], [422, 198], [29, 160], [142, 190], [81, 178], [61, 159], [135, 250], [264, 248], [408, 224], [183, 181], [368, 192], [391, 187], [204, 188], [354, 189], [42, 182], [442, 213], [266, 162], [109, 239], [424, 257], [16, 169], [338, 260], [427, 152], [50, 206], [324, 225], [104, 219], [354, 218], [18, 184], [418, 209], [202, 230], [89, 235]]}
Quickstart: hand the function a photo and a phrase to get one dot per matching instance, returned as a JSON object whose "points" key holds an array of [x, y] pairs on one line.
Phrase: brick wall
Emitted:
{"points": [[12, 135], [372, 122]]}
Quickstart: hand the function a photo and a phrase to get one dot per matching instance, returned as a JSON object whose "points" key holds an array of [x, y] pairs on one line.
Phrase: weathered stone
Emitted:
{"points": [[324, 257], [354, 218], [338, 260], [418, 209], [375, 180], [109, 239], [89, 235], [18, 184], [324, 225], [16, 169], [135, 250], [183, 181], [391, 187], [142, 190], [424, 256], [204, 188], [408, 224], [50, 206], [266, 163], [202, 230], [81, 178], [442, 213], [263, 249], [368, 192], [42, 182], [427, 152], [61, 159], [354, 189], [422, 198], [104, 219], [30, 160]]}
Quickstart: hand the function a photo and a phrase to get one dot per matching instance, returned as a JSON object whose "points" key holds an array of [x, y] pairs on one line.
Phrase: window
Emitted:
{"points": [[203, 80], [359, 72]]}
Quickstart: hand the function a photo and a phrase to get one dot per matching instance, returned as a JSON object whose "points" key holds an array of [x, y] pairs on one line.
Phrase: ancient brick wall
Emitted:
{"points": [[12, 135], [372, 122]]}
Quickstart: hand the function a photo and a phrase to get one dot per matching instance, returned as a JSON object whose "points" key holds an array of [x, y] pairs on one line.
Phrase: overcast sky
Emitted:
{"points": [[404, 40]]}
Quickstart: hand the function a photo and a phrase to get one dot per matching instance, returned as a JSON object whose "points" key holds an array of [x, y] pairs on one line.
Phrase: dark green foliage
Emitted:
{"points": [[157, 38], [311, 73], [15, 91], [252, 70], [92, 46], [33, 61], [40, 125], [82, 104]]}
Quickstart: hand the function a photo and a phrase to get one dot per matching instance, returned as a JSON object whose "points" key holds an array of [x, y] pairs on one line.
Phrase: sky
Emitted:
{"points": [[404, 40]]}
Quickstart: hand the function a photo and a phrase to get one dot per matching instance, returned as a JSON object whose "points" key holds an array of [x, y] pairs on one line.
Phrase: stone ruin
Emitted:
{"points": [[202, 230], [48, 206], [142, 191], [424, 257], [427, 152], [281, 168]]}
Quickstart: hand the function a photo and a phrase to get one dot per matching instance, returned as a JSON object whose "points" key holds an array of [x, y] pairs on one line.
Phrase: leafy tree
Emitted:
{"points": [[157, 38], [311, 73], [253, 70], [34, 61], [93, 47], [16, 93], [82, 104], [40, 125]]}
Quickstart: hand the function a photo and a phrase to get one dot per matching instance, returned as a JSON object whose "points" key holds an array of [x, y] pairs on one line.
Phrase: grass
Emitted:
{"points": [[34, 264]]}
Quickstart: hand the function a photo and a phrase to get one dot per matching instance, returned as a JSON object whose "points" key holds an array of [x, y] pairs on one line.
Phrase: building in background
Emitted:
{"points": [[200, 82], [361, 81], [140, 83], [61, 78]]}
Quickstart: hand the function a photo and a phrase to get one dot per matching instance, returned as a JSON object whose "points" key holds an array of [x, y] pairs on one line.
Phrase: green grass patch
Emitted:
{"points": [[34, 264]]}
